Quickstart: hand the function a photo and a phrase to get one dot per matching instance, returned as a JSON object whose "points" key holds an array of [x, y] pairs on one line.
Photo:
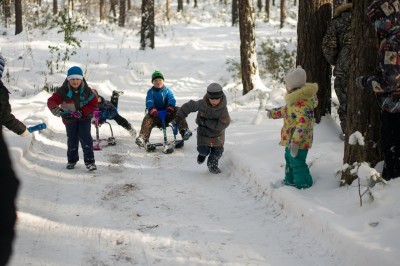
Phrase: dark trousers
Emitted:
{"points": [[121, 121], [8, 192], [390, 137], [79, 131], [214, 152]]}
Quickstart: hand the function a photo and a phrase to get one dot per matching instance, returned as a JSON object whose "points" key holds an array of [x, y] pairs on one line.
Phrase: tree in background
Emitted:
{"points": [[122, 13], [147, 25], [180, 5], [55, 7], [235, 12], [363, 114], [314, 16], [283, 13], [267, 4], [18, 16], [247, 45]]}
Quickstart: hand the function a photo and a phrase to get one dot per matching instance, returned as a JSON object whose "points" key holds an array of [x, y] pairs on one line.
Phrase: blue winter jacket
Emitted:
{"points": [[159, 98]]}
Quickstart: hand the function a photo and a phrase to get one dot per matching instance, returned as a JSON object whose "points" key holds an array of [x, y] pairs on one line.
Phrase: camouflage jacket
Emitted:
{"points": [[336, 43]]}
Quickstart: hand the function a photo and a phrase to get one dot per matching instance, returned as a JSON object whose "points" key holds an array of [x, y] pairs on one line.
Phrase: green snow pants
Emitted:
{"points": [[296, 170]]}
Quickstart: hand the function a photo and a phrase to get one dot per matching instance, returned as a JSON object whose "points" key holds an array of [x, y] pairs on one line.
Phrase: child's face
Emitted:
{"points": [[158, 83], [214, 102], [75, 83]]}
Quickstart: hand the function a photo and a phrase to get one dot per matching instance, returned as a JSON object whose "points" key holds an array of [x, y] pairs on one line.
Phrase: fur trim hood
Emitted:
{"points": [[342, 8], [306, 92]]}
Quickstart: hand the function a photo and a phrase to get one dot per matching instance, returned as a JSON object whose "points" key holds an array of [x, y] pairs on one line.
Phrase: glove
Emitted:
{"points": [[57, 111], [78, 114], [269, 114], [25, 133], [360, 82], [294, 149], [170, 110], [201, 121], [153, 112]]}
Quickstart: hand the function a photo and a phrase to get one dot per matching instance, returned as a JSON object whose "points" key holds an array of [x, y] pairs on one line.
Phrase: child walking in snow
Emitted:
{"points": [[109, 111], [212, 120], [298, 123], [75, 102]]}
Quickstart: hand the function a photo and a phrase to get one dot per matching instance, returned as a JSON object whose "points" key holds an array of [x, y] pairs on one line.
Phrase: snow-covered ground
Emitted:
{"points": [[143, 208]]}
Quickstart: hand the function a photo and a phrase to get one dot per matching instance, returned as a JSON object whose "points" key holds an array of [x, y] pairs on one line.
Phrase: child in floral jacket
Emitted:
{"points": [[297, 130]]}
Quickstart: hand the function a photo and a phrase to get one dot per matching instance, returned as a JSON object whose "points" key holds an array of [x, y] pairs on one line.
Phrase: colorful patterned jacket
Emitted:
{"points": [[298, 115]]}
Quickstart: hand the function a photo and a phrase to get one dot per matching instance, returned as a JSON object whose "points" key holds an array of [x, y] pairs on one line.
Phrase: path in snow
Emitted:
{"points": [[143, 208]]}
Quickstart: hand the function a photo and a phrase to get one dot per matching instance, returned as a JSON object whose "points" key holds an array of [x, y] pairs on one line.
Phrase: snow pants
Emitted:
{"points": [[80, 131], [297, 173], [215, 153], [390, 138]]}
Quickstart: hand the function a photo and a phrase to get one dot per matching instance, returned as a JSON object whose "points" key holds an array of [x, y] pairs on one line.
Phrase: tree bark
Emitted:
{"points": [[235, 12], [180, 5], [363, 114], [267, 4], [102, 9], [55, 7], [147, 25], [18, 17], [248, 54], [314, 16], [283, 12], [122, 13]]}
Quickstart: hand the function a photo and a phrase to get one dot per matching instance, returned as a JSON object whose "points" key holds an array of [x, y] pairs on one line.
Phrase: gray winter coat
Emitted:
{"points": [[211, 121]]}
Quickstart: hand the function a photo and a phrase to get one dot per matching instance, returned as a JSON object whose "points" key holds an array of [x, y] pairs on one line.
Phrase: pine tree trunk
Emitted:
{"points": [[102, 9], [247, 44], [55, 7], [147, 25], [122, 13], [267, 4], [235, 12], [283, 12], [314, 16], [180, 5], [6, 11], [363, 114], [18, 16], [259, 5]]}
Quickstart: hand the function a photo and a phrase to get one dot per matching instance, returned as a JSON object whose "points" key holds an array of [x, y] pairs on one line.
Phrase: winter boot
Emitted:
{"points": [[91, 166], [186, 134], [71, 166], [131, 130], [140, 141], [214, 169], [117, 93], [200, 159]]}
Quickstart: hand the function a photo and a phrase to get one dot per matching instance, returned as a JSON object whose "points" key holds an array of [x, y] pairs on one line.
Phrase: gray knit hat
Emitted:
{"points": [[295, 78], [214, 91]]}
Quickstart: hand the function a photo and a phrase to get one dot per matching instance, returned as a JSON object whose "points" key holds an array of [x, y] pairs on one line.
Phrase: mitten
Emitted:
{"points": [[25, 133], [153, 112], [57, 111], [294, 149], [269, 114], [78, 114], [170, 110]]}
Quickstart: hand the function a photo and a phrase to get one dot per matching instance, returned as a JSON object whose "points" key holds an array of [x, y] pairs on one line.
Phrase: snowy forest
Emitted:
{"points": [[151, 208]]}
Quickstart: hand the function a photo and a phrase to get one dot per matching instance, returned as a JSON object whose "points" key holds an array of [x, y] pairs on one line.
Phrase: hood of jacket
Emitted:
{"points": [[309, 90], [342, 8]]}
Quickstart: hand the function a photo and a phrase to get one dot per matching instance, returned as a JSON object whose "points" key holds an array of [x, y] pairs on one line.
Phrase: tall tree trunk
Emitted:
{"points": [[102, 9], [363, 114], [283, 12], [6, 5], [235, 12], [314, 16], [267, 4], [259, 5], [167, 9], [122, 13], [247, 45], [129, 4], [55, 7], [180, 5], [18, 16], [195, 3], [113, 9], [147, 25]]}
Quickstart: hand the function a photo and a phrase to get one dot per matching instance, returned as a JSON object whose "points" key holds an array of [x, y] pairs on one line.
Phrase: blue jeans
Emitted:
{"points": [[297, 173], [214, 152], [80, 131]]}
